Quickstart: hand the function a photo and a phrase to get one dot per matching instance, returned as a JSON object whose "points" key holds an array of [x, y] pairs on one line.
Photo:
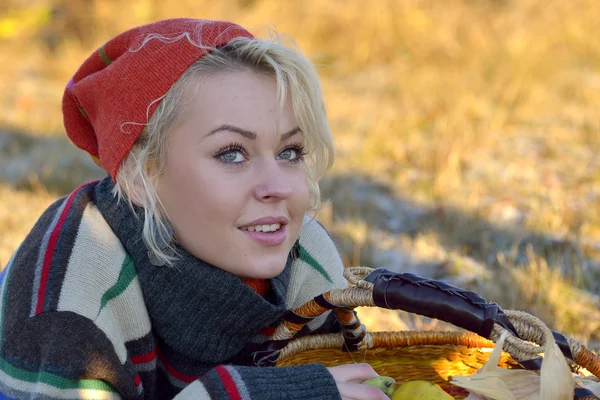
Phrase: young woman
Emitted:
{"points": [[164, 278]]}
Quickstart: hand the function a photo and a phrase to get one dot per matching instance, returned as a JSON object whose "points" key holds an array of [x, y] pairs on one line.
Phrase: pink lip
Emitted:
{"points": [[268, 221], [269, 239]]}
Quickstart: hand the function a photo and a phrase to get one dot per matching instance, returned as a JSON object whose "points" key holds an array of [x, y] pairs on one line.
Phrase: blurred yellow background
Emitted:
{"points": [[467, 133]]}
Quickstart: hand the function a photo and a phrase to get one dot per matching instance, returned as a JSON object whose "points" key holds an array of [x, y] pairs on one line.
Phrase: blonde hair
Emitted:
{"points": [[295, 76]]}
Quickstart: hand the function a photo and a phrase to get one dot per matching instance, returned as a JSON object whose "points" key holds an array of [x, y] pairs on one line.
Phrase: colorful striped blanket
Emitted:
{"points": [[83, 314]]}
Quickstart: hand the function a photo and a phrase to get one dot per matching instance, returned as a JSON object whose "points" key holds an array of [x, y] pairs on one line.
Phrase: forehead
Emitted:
{"points": [[238, 96]]}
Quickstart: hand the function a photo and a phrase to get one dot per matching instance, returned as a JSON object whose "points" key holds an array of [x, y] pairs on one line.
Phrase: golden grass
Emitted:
{"points": [[482, 114], [19, 211]]}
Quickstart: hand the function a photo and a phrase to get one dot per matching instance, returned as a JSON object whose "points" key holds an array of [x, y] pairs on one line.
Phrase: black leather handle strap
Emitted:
{"points": [[435, 299], [439, 300], [584, 394], [268, 353], [563, 345]]}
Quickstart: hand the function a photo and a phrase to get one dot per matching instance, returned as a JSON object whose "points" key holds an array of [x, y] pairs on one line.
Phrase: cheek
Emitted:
{"points": [[202, 193], [300, 192], [185, 190]]}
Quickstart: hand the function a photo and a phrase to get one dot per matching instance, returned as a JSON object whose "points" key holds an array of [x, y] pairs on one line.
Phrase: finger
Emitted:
{"points": [[356, 391], [352, 372]]}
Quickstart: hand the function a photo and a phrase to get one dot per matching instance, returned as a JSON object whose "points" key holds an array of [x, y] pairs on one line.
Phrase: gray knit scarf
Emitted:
{"points": [[196, 309]]}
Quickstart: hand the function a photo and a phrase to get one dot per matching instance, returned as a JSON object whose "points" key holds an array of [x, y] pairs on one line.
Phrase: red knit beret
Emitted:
{"points": [[113, 94]]}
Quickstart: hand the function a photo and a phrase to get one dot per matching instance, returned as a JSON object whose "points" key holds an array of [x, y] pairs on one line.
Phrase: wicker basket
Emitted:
{"points": [[406, 356], [409, 355]]}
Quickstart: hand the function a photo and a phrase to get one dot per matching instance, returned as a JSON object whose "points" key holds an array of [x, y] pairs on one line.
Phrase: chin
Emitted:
{"points": [[262, 270]]}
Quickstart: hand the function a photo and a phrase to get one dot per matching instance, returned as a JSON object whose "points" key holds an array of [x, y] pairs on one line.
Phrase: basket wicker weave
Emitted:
{"points": [[443, 354], [409, 355]]}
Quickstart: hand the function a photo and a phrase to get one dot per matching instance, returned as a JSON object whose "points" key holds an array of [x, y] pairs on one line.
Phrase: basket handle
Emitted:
{"points": [[399, 291], [435, 299], [468, 310]]}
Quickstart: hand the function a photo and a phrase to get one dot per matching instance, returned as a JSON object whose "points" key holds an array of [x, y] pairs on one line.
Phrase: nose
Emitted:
{"points": [[272, 183]]}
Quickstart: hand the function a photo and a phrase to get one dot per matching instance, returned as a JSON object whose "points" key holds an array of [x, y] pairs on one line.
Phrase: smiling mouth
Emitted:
{"points": [[267, 228]]}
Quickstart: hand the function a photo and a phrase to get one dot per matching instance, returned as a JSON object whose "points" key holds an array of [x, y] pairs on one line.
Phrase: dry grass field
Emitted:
{"points": [[467, 134]]}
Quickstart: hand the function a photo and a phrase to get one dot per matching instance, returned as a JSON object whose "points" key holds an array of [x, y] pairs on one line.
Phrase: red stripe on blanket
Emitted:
{"points": [[51, 247], [171, 370], [144, 358], [229, 383]]}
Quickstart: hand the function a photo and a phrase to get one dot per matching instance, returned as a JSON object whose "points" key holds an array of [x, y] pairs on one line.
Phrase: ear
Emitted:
{"points": [[138, 181], [135, 190], [137, 195]]}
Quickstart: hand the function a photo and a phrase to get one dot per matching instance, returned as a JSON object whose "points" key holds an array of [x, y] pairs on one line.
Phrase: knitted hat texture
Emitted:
{"points": [[113, 94]]}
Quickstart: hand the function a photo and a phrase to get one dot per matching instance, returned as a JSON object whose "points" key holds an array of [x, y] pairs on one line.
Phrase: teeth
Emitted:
{"points": [[262, 228]]}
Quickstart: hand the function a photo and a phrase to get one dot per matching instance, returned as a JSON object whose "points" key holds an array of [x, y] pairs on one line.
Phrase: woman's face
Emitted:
{"points": [[234, 186]]}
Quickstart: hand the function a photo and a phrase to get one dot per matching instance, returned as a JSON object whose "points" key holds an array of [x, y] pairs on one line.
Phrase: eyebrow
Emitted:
{"points": [[251, 135]]}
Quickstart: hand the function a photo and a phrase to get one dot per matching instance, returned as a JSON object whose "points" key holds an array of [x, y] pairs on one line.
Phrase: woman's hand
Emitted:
{"points": [[348, 379]]}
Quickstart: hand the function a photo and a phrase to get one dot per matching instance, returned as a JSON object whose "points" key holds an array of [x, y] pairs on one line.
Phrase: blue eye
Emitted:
{"points": [[288, 154], [231, 154], [293, 153]]}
